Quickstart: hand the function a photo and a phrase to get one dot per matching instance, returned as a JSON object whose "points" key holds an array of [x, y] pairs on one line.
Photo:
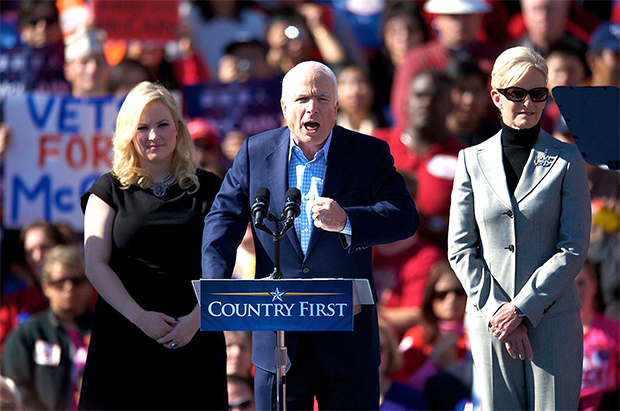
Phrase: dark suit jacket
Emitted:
{"points": [[361, 177]]}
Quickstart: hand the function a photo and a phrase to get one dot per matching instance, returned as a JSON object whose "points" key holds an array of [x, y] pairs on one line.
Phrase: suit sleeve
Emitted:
{"points": [[392, 215], [226, 223], [553, 277], [482, 289]]}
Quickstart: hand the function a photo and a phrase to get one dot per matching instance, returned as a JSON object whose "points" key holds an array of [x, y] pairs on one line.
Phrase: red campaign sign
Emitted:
{"points": [[138, 19]]}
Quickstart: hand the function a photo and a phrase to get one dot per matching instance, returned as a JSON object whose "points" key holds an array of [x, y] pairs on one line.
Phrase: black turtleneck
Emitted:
{"points": [[516, 148]]}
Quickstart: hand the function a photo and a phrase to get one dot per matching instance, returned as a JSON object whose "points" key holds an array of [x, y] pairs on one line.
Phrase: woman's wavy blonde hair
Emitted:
{"points": [[512, 65], [126, 165]]}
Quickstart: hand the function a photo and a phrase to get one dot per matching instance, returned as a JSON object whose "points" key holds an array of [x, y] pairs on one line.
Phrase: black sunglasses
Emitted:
{"points": [[60, 284], [538, 94], [33, 21], [458, 292]]}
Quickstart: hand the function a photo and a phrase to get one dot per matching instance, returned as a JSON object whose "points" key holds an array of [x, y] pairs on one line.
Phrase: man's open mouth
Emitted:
{"points": [[312, 125]]}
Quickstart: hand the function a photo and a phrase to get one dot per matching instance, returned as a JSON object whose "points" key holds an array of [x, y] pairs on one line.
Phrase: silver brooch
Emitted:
{"points": [[543, 159]]}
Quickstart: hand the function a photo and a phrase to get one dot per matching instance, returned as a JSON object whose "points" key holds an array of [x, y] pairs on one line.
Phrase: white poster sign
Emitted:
{"points": [[60, 146]]}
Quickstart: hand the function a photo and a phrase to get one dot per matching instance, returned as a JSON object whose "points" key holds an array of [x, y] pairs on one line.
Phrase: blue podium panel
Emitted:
{"points": [[276, 305], [591, 114]]}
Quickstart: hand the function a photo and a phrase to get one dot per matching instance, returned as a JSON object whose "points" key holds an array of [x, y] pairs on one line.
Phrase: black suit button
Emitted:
{"points": [[510, 248], [305, 270]]}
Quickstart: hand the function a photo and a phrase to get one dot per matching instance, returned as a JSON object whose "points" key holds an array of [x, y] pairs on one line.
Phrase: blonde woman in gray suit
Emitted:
{"points": [[518, 235]]}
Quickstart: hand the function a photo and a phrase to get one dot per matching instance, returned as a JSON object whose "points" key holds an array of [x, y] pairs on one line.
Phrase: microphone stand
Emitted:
{"points": [[282, 225]]}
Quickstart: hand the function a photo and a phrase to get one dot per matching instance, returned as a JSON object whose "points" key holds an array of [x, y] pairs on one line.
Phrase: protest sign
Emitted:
{"points": [[138, 19], [60, 146], [251, 107]]}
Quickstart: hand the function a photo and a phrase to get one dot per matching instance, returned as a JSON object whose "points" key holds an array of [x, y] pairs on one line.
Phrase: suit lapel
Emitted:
{"points": [[276, 164], [339, 166], [492, 166], [542, 157]]}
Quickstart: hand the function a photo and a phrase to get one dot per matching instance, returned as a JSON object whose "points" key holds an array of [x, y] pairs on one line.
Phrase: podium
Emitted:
{"points": [[281, 305]]}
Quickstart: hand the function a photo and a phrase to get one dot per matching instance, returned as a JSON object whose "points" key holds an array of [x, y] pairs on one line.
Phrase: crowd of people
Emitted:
{"points": [[415, 74]]}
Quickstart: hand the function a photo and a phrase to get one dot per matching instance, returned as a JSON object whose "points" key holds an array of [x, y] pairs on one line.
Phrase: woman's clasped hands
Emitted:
{"points": [[508, 327]]}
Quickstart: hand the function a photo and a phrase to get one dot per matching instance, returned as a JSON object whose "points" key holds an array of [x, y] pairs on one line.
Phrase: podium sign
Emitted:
{"points": [[270, 305]]}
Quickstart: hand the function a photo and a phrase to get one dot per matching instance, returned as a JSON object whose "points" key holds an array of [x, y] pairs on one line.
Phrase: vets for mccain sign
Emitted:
{"points": [[60, 146]]}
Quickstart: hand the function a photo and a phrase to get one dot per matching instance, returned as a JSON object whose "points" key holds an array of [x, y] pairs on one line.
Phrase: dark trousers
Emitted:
{"points": [[307, 379]]}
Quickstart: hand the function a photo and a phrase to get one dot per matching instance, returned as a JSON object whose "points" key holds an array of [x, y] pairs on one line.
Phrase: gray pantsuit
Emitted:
{"points": [[525, 249]]}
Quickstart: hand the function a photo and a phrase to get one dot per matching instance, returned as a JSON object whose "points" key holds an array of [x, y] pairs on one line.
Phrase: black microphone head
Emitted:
{"points": [[264, 193], [292, 204], [260, 208]]}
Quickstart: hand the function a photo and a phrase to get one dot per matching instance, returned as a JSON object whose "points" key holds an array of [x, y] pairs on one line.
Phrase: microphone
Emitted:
{"points": [[292, 204], [260, 208]]}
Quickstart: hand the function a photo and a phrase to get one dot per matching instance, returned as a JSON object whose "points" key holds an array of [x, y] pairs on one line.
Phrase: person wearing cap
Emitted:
{"points": [[206, 139], [457, 23], [603, 56], [86, 66]]}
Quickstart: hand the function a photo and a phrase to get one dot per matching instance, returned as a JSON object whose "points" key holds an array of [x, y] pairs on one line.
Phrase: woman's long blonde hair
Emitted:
{"points": [[126, 164]]}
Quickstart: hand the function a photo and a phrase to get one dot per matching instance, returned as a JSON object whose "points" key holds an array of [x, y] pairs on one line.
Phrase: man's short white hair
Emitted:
{"points": [[306, 66]]}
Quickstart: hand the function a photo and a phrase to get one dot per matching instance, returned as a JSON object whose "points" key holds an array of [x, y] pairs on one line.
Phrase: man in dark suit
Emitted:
{"points": [[352, 199]]}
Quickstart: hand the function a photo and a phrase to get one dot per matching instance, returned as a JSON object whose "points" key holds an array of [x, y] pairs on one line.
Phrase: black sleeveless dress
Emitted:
{"points": [[156, 252]]}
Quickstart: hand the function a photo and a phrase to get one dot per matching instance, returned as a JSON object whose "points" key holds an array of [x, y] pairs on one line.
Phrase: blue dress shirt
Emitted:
{"points": [[308, 176]]}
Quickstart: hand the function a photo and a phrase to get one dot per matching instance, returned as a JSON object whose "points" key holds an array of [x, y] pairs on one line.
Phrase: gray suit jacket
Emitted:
{"points": [[525, 249]]}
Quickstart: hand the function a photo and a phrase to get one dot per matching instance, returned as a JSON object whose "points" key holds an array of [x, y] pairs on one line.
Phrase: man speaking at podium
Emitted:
{"points": [[352, 198]]}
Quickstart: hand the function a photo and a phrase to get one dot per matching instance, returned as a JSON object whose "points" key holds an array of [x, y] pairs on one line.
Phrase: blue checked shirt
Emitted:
{"points": [[308, 177]]}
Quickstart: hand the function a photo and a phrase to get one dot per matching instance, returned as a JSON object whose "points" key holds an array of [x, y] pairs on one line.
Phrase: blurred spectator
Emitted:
{"points": [[188, 66], [402, 29], [468, 119], [244, 60], [125, 75], [294, 36], [214, 24], [457, 23], [425, 147], [604, 249], [46, 355], [356, 97], [394, 395], [239, 354], [545, 23], [86, 67], [363, 19], [232, 143], [206, 139], [44, 58], [240, 394], [601, 345], [401, 269], [10, 397], [152, 55], [21, 289], [603, 58], [440, 341], [567, 67], [603, 55]]}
